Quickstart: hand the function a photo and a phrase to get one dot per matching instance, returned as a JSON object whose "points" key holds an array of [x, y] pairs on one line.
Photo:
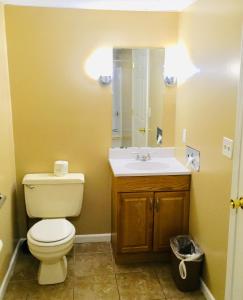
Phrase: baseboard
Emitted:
{"points": [[10, 270], [92, 238], [206, 292]]}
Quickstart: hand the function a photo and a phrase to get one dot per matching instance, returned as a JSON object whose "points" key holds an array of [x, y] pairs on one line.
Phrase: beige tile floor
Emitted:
{"points": [[93, 275]]}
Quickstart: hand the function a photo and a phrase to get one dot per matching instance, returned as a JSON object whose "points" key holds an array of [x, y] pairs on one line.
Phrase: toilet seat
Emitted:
{"points": [[51, 232]]}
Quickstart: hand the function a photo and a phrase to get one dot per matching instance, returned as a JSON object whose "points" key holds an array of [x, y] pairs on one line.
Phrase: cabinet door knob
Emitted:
{"points": [[157, 204], [151, 203]]}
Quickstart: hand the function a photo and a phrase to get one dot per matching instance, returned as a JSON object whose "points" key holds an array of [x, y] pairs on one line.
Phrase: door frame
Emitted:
{"points": [[237, 159]]}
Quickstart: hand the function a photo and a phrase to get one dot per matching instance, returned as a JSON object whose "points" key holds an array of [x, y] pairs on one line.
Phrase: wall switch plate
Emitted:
{"points": [[227, 149], [192, 159], [184, 135]]}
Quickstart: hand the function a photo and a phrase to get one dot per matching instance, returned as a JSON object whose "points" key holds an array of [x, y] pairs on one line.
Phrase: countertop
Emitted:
{"points": [[154, 167]]}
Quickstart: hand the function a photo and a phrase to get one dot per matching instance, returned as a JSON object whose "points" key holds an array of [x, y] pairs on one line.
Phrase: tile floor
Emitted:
{"points": [[93, 275]]}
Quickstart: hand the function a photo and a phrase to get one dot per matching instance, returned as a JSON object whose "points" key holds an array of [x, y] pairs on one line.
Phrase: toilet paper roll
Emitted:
{"points": [[60, 168]]}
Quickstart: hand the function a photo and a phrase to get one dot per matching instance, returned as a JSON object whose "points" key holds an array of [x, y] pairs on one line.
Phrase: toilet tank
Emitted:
{"points": [[49, 196]]}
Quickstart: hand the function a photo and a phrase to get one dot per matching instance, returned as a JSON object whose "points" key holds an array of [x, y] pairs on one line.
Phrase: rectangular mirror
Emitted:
{"points": [[138, 97]]}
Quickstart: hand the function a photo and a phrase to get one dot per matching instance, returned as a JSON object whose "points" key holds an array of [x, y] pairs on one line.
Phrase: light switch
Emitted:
{"points": [[227, 147], [184, 135]]}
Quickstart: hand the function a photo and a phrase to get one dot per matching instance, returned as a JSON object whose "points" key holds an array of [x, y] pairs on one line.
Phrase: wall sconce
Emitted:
{"points": [[99, 65], [170, 66], [178, 67], [170, 81], [105, 79]]}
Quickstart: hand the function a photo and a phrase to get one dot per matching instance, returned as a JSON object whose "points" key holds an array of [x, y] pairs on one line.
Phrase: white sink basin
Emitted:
{"points": [[146, 165], [155, 166]]}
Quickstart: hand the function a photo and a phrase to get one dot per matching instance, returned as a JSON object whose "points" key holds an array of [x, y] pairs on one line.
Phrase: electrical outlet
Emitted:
{"points": [[193, 158], [227, 149]]}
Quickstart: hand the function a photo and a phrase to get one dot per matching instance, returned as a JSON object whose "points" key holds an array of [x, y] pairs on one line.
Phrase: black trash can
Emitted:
{"points": [[187, 260]]}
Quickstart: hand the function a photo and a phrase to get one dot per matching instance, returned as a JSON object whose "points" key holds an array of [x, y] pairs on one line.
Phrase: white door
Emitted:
{"points": [[140, 97], [234, 283]]}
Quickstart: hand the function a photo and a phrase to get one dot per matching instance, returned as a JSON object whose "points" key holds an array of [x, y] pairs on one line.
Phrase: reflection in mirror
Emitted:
{"points": [[138, 92]]}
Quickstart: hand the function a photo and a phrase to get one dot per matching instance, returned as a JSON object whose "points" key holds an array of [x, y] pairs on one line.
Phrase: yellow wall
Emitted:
{"points": [[59, 113], [206, 108], [168, 120], [7, 164]]}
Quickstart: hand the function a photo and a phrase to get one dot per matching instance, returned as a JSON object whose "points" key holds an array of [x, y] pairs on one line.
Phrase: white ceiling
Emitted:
{"points": [[126, 5]]}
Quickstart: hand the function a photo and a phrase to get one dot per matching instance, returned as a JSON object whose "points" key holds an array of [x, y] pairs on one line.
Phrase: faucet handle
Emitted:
{"points": [[137, 155]]}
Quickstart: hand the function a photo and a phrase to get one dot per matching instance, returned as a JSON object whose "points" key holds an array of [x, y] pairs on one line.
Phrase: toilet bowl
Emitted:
{"points": [[49, 240], [52, 199]]}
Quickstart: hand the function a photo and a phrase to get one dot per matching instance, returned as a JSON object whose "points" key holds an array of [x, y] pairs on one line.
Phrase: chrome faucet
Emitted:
{"points": [[142, 156]]}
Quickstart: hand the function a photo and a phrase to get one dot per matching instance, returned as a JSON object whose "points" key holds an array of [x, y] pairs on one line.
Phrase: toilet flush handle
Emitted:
{"points": [[2, 199], [29, 186]]}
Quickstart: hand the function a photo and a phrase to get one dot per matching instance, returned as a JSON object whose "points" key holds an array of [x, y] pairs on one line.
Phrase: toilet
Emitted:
{"points": [[52, 199]]}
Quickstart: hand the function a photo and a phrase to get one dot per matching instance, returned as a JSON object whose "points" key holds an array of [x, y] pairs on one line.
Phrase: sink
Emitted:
{"points": [[146, 165], [128, 166]]}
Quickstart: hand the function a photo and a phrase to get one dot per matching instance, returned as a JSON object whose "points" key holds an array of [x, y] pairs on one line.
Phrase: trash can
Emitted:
{"points": [[187, 259]]}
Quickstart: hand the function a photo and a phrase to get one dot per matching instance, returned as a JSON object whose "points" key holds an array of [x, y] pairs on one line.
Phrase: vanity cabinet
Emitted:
{"points": [[171, 214], [135, 222], [146, 212]]}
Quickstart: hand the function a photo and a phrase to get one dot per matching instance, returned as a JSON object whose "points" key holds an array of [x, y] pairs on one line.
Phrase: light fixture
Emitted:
{"points": [[170, 66], [105, 79], [124, 5], [178, 66], [98, 66], [170, 80]]}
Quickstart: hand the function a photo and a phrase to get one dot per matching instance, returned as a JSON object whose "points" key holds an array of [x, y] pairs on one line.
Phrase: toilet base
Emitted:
{"points": [[51, 273]]}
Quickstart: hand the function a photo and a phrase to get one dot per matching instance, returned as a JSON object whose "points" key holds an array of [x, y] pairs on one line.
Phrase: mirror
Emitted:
{"points": [[138, 97]]}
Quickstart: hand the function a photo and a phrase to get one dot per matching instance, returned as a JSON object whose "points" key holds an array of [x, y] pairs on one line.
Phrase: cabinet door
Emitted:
{"points": [[135, 215], [171, 213]]}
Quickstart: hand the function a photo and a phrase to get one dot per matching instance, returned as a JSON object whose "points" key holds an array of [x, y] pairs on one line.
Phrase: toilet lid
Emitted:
{"points": [[51, 230]]}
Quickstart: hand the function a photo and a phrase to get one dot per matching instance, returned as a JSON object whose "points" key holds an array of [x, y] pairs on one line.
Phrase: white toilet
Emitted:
{"points": [[53, 199]]}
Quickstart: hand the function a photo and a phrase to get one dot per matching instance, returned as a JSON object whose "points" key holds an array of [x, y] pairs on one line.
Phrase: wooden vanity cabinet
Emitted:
{"points": [[146, 212], [135, 222], [171, 215]]}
